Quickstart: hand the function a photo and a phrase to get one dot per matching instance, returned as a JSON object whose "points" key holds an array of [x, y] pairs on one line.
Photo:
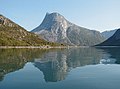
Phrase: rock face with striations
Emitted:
{"points": [[113, 40], [56, 28]]}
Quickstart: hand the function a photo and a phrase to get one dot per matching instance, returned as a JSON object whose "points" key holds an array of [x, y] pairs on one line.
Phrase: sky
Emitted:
{"points": [[98, 15]]}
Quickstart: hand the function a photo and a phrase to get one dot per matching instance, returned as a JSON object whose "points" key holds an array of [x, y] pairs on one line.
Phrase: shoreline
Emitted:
{"points": [[40, 47], [33, 47], [51, 47], [44, 47]]}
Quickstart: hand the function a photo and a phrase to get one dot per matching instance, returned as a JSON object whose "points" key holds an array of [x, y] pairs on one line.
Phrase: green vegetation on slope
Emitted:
{"points": [[12, 34]]}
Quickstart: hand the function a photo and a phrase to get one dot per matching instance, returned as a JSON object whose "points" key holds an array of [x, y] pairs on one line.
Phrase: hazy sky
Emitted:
{"points": [[93, 14]]}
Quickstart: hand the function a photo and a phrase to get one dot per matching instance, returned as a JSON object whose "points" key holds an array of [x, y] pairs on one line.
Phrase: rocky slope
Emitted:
{"points": [[12, 34], [113, 40], [56, 28]]}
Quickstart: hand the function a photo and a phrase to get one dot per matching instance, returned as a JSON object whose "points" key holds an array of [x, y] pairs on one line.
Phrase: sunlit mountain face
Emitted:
{"points": [[55, 28]]}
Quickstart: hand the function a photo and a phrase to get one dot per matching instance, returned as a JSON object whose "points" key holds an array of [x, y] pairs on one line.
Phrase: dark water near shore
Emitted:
{"points": [[75, 68]]}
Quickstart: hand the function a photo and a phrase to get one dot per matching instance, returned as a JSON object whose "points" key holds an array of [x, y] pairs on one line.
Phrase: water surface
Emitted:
{"points": [[75, 68]]}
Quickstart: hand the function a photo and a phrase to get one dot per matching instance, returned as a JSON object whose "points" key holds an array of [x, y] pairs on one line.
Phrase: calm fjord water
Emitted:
{"points": [[75, 68]]}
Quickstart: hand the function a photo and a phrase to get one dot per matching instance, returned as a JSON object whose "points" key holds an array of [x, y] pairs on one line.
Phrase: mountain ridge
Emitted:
{"points": [[55, 28]]}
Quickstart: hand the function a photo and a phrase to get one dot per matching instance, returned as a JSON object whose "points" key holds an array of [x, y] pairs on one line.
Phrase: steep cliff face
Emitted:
{"points": [[56, 28], [113, 40], [12, 34]]}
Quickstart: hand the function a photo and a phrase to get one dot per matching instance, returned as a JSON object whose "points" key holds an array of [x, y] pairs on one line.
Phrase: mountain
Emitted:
{"points": [[113, 40], [55, 28], [12, 34], [108, 34]]}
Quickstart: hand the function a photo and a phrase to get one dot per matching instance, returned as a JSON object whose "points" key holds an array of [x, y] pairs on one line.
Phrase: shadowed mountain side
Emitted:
{"points": [[108, 34], [113, 40]]}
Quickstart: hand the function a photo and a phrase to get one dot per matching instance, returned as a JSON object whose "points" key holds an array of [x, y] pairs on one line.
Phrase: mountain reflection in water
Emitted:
{"points": [[56, 63]]}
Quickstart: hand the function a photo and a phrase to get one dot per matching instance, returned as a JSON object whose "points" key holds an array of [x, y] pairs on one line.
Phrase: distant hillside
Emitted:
{"points": [[108, 34], [113, 40], [56, 28], [12, 34]]}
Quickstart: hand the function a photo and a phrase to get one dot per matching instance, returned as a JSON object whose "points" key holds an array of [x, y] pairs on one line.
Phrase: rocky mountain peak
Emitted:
{"points": [[52, 20], [56, 28], [54, 17]]}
